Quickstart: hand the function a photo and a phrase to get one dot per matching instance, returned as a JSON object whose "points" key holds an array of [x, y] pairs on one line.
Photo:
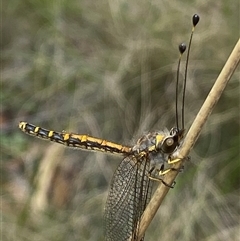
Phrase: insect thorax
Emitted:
{"points": [[150, 144]]}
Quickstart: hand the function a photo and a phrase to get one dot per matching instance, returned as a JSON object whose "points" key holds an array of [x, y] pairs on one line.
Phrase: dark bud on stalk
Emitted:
{"points": [[195, 19], [182, 47]]}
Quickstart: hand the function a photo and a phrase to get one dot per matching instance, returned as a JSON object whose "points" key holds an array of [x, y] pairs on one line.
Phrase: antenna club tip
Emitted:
{"points": [[182, 47], [195, 19]]}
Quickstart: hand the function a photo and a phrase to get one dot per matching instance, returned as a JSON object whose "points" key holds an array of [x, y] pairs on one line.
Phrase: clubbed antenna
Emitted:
{"points": [[195, 20], [182, 48]]}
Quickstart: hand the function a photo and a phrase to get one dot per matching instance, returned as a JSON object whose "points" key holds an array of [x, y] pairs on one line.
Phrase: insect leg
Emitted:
{"points": [[158, 179]]}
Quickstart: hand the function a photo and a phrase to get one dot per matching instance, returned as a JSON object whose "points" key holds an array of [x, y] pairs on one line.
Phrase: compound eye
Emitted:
{"points": [[169, 141], [169, 145]]}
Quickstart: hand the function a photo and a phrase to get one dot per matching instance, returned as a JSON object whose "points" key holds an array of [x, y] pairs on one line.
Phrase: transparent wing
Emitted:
{"points": [[130, 192]]}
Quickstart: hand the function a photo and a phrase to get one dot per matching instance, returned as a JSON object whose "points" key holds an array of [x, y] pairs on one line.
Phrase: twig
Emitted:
{"points": [[191, 136]]}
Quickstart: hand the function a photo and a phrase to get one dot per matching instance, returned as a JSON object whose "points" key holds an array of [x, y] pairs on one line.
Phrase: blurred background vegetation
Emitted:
{"points": [[108, 69]]}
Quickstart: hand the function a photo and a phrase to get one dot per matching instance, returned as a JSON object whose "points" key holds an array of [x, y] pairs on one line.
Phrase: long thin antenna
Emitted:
{"points": [[195, 20], [182, 48]]}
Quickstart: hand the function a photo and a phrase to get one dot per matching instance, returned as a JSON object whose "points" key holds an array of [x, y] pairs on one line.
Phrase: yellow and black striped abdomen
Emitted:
{"points": [[75, 140]]}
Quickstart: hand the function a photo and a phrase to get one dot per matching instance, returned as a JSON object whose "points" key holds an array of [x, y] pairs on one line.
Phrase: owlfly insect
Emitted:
{"points": [[142, 164]]}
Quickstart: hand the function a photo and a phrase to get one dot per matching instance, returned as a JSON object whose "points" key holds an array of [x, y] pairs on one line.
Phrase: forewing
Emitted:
{"points": [[130, 191]]}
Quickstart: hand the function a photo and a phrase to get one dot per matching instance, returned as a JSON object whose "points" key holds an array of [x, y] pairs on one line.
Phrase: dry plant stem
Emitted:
{"points": [[192, 136]]}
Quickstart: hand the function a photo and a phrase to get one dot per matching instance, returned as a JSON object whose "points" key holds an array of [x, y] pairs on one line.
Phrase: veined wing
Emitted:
{"points": [[130, 192]]}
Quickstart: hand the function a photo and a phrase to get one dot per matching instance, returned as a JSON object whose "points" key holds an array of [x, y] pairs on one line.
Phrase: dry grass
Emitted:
{"points": [[108, 68]]}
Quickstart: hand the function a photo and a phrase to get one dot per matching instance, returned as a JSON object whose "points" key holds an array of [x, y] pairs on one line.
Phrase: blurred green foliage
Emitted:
{"points": [[108, 68]]}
